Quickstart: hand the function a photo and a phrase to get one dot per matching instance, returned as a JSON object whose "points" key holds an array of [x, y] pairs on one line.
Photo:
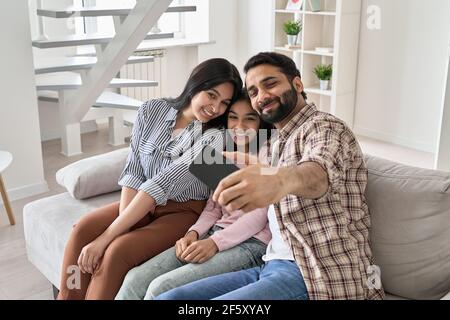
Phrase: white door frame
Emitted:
{"points": [[442, 160]]}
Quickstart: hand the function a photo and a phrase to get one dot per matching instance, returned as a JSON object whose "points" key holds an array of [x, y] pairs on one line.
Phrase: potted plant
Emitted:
{"points": [[292, 29], [324, 73]]}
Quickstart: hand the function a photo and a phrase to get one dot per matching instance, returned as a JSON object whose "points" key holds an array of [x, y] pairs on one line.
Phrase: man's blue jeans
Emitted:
{"points": [[275, 280]]}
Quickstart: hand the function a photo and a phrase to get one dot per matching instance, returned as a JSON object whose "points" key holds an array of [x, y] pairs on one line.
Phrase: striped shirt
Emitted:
{"points": [[158, 162], [329, 236]]}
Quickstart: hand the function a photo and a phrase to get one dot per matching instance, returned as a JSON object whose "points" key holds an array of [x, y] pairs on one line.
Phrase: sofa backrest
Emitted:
{"points": [[410, 232]]}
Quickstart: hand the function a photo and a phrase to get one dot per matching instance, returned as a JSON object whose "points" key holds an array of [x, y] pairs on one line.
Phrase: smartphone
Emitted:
{"points": [[210, 167]]}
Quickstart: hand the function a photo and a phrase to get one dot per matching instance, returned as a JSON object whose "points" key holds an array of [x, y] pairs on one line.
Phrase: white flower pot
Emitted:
{"points": [[324, 84], [292, 40]]}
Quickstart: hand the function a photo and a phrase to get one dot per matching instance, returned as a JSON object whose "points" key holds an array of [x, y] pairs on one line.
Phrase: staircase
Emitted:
{"points": [[85, 87]]}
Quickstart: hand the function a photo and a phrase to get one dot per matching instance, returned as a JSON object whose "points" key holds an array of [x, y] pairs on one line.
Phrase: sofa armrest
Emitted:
{"points": [[93, 176]]}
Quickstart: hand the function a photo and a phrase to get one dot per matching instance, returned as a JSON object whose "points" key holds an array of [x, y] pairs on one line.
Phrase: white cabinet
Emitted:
{"points": [[336, 28]]}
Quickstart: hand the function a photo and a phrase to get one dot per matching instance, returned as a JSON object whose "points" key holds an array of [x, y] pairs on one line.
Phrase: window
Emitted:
{"points": [[172, 22]]}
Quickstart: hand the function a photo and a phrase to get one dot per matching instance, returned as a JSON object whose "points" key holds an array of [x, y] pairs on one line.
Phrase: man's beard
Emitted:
{"points": [[286, 104]]}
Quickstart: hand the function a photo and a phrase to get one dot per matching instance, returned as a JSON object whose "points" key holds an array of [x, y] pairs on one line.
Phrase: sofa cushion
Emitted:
{"points": [[48, 223], [93, 176], [410, 233]]}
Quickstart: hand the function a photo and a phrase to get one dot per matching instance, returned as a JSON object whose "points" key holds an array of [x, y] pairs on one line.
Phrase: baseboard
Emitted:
{"points": [[26, 191], [405, 142]]}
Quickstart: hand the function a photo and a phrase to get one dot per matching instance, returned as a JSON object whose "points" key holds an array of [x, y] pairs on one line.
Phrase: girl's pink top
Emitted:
{"points": [[237, 226]]}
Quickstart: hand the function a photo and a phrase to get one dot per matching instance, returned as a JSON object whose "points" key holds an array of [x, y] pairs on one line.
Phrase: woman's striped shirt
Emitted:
{"points": [[158, 163]]}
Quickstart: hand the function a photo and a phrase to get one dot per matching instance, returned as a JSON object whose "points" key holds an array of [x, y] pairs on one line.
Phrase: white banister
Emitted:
{"points": [[40, 25]]}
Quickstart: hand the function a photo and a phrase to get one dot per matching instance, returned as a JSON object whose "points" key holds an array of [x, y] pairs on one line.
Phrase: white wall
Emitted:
{"points": [[255, 19], [401, 72], [180, 62], [223, 28], [19, 121], [239, 29], [442, 158]]}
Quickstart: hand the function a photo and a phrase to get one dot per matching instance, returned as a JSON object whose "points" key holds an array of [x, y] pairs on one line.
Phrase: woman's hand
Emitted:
{"points": [[91, 254], [200, 251], [184, 242]]}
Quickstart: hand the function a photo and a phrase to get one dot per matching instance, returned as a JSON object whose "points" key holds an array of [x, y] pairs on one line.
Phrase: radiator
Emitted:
{"points": [[145, 71]]}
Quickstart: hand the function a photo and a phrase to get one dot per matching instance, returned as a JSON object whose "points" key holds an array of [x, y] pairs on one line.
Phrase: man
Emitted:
{"points": [[319, 218]]}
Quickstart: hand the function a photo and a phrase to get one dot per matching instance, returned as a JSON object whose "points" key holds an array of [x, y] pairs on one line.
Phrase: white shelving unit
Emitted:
{"points": [[335, 26]]}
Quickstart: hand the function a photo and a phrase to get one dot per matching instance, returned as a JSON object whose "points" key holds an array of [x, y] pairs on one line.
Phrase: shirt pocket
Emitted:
{"points": [[177, 150], [147, 147], [147, 150]]}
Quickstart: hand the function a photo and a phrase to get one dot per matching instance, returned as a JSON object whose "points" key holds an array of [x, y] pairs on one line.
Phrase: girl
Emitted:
{"points": [[160, 199], [229, 241]]}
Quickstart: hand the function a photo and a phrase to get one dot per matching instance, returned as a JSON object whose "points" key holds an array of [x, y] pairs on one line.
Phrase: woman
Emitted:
{"points": [[229, 241], [160, 199]]}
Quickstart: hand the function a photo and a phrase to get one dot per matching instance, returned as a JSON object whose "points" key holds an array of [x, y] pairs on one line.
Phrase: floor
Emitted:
{"points": [[19, 279]]}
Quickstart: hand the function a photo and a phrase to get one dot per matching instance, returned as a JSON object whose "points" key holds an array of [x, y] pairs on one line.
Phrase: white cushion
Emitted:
{"points": [[93, 176], [48, 223]]}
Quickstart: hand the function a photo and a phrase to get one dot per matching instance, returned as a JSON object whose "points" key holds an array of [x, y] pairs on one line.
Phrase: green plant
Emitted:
{"points": [[323, 71], [292, 28]]}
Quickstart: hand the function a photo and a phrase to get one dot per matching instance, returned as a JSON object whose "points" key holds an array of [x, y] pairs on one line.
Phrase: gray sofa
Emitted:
{"points": [[410, 211]]}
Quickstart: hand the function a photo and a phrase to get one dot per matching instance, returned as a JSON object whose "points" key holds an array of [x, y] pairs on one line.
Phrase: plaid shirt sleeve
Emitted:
{"points": [[328, 144]]}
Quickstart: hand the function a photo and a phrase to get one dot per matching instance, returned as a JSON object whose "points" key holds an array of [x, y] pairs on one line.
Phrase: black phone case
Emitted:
{"points": [[211, 167]]}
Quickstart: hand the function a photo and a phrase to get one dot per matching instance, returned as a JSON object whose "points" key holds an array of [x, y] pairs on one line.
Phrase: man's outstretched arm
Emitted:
{"points": [[259, 186]]}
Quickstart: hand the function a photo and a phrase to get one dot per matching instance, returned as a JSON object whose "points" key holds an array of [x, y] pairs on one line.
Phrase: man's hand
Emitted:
{"points": [[183, 243], [250, 188], [258, 186], [91, 254], [200, 251]]}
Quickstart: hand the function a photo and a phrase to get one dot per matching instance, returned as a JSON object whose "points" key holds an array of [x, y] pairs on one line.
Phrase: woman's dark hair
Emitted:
{"points": [[263, 125], [205, 76], [284, 63]]}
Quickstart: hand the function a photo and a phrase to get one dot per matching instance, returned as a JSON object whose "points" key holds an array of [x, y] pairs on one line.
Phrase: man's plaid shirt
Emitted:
{"points": [[329, 237]]}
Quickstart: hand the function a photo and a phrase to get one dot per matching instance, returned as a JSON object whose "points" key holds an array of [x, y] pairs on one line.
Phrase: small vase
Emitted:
{"points": [[314, 5], [324, 84], [292, 40]]}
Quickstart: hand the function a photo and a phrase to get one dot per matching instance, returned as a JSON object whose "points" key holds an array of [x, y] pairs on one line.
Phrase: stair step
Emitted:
{"points": [[88, 39], [106, 100], [115, 100], [70, 80], [99, 11], [59, 64]]}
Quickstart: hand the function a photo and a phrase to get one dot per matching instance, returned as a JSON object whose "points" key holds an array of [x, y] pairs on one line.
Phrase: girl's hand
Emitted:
{"points": [[200, 251], [184, 242], [91, 254]]}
